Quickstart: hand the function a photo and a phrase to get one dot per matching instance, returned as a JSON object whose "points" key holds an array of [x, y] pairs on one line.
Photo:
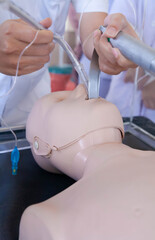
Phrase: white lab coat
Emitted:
{"points": [[15, 108]]}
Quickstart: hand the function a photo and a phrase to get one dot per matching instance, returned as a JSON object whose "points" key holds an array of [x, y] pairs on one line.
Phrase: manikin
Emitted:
{"points": [[114, 197]]}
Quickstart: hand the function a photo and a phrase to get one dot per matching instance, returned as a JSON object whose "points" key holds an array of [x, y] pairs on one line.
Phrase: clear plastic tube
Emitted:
{"points": [[2, 120], [81, 15], [76, 63], [149, 78], [13, 85], [137, 70], [17, 69], [134, 95]]}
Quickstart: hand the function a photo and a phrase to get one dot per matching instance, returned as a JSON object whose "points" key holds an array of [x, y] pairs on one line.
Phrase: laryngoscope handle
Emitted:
{"points": [[134, 49]]}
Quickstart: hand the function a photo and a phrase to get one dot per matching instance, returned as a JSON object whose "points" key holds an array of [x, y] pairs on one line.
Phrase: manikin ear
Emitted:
{"points": [[44, 163]]}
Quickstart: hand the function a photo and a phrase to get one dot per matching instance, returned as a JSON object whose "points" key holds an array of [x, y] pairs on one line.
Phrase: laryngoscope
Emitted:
{"points": [[133, 49]]}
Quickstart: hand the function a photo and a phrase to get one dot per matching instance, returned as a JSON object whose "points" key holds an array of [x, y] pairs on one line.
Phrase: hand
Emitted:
{"points": [[15, 35], [111, 61], [148, 95]]}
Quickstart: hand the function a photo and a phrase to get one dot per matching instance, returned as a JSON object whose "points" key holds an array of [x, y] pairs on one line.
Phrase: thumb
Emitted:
{"points": [[96, 38], [47, 22], [115, 23], [97, 34]]}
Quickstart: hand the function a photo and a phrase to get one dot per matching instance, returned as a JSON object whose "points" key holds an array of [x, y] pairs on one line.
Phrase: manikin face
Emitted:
{"points": [[62, 117]]}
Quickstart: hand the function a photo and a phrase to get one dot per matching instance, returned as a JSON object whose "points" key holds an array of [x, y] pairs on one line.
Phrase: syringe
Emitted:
{"points": [[18, 11]]}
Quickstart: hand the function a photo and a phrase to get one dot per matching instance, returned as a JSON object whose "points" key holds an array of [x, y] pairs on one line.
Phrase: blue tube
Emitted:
{"points": [[15, 155]]}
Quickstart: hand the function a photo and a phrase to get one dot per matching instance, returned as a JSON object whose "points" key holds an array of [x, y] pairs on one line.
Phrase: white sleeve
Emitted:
{"points": [[91, 5], [127, 8]]}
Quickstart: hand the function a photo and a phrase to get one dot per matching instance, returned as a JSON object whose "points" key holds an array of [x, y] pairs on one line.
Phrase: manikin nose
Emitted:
{"points": [[79, 92]]}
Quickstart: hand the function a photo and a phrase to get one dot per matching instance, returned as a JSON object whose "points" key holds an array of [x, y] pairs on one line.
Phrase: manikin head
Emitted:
{"points": [[69, 121]]}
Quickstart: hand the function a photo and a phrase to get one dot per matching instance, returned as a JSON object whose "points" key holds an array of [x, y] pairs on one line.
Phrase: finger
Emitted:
{"points": [[24, 32], [121, 60], [27, 61], [106, 56], [19, 20], [109, 59], [109, 68], [39, 49], [115, 23], [47, 22], [96, 39], [33, 60], [30, 69], [106, 59], [44, 36], [20, 30], [14, 46], [106, 50]]}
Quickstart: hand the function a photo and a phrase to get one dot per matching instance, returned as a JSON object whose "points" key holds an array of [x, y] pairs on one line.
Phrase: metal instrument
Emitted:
{"points": [[94, 77], [134, 50]]}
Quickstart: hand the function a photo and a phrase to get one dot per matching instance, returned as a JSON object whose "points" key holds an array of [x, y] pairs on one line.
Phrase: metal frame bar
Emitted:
{"points": [[140, 133]]}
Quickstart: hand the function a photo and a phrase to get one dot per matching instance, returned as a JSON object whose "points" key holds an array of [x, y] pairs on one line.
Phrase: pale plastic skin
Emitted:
{"points": [[114, 197]]}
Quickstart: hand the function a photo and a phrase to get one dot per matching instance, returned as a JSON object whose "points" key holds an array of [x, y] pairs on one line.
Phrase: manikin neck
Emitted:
{"points": [[72, 157], [90, 144]]}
